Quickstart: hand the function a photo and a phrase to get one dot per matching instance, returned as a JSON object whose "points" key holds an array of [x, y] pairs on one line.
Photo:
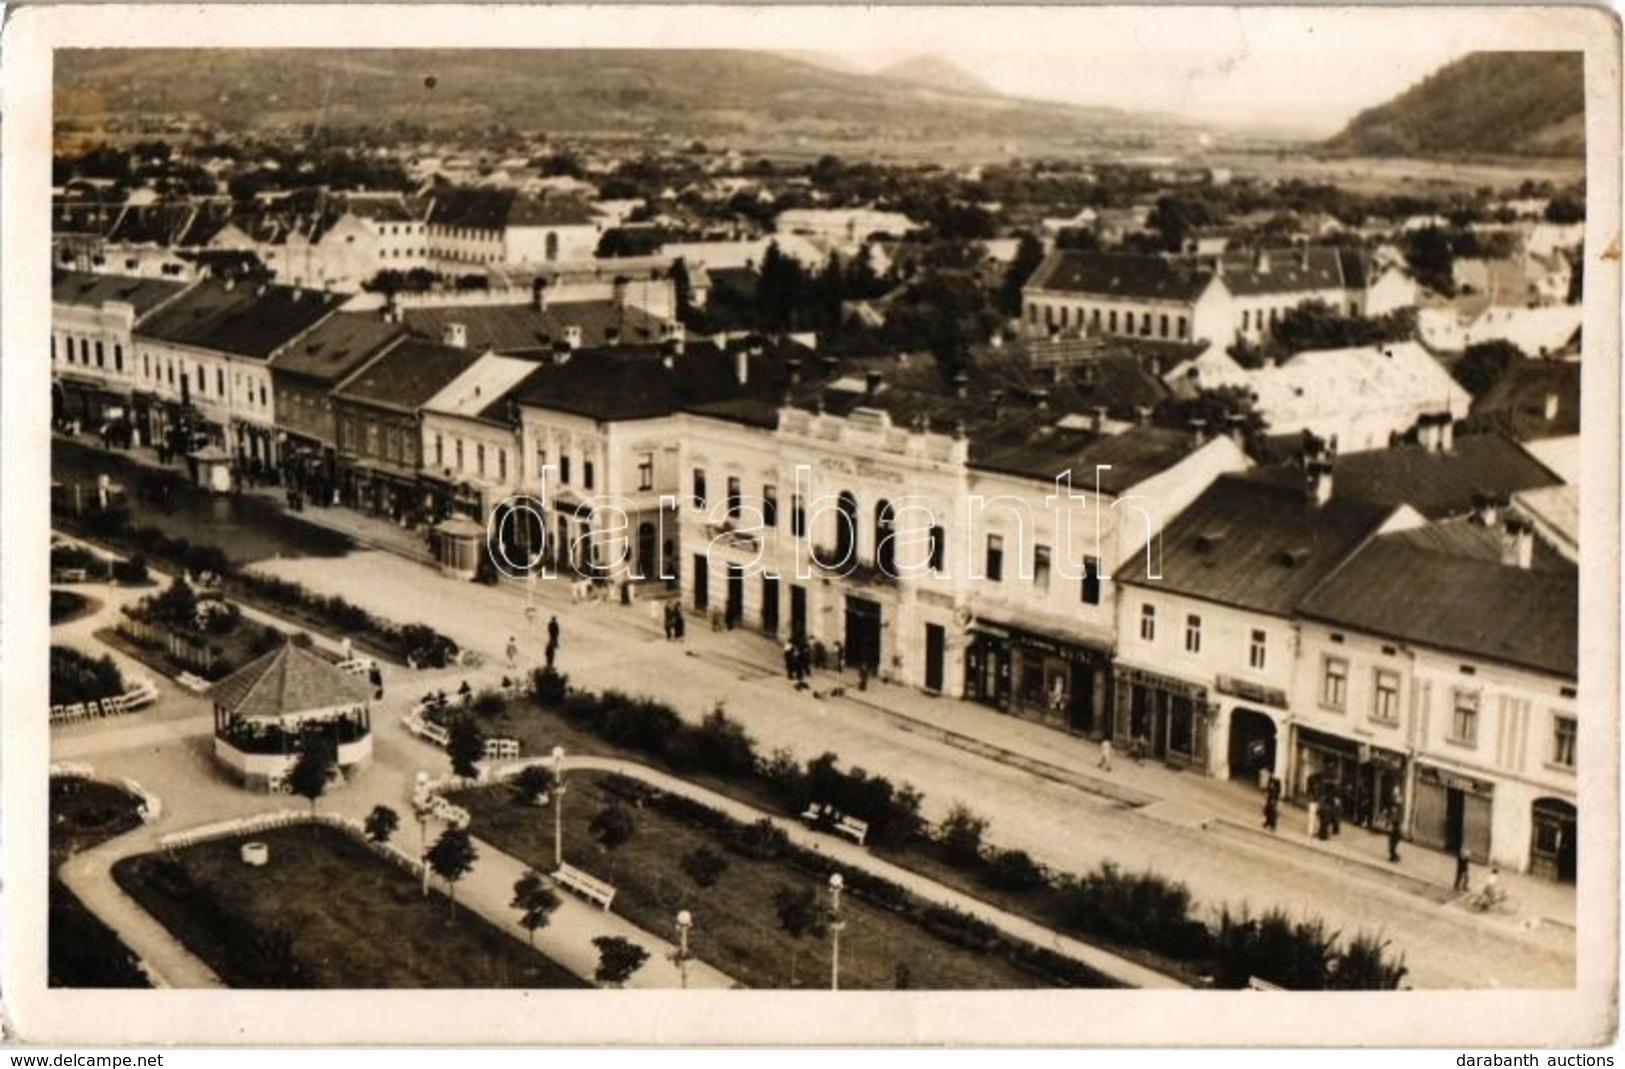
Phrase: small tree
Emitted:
{"points": [[451, 858], [961, 836], [465, 747], [618, 959], [1482, 365], [381, 823], [535, 901], [308, 776], [532, 783], [799, 916], [704, 866]]}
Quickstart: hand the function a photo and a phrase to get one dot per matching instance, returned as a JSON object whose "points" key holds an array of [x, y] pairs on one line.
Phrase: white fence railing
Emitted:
{"points": [[288, 818]]}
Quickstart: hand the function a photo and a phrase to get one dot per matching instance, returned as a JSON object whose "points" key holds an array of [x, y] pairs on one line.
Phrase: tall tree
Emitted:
{"points": [[452, 857], [1029, 254], [800, 915], [618, 959], [381, 823], [465, 747]]}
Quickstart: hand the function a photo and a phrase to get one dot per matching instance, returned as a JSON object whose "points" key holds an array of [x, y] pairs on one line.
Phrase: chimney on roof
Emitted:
{"points": [[792, 369], [538, 294], [1518, 544], [572, 337], [455, 335], [1318, 474], [612, 335], [961, 385], [1486, 508], [561, 352], [742, 365], [1198, 432], [1550, 411], [1097, 419], [1142, 415], [1041, 399], [871, 384], [1435, 431], [620, 287], [673, 334], [831, 365], [1261, 261]]}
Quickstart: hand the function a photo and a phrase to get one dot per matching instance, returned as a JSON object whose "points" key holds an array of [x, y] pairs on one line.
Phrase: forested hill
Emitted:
{"points": [[1485, 104]]}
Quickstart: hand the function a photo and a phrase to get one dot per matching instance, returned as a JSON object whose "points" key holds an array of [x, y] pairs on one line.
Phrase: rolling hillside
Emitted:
{"points": [[1485, 104]]}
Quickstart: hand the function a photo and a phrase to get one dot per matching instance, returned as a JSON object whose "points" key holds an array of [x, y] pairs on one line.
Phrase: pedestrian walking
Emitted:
{"points": [[665, 620], [840, 656], [1272, 811], [551, 652], [1334, 814], [376, 677], [789, 660], [553, 631], [1105, 761], [1464, 862], [1394, 836], [677, 622], [513, 652]]}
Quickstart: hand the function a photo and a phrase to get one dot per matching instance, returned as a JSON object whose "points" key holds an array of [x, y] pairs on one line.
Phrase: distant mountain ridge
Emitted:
{"points": [[1484, 104], [934, 72], [702, 93]]}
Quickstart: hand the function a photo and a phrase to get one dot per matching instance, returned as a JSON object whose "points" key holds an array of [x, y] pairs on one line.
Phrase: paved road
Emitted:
{"points": [[1068, 826]]}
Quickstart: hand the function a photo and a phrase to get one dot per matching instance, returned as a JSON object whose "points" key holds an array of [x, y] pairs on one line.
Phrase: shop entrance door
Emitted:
{"points": [[863, 632], [936, 641], [1553, 849], [1081, 705], [798, 612], [1252, 743]]}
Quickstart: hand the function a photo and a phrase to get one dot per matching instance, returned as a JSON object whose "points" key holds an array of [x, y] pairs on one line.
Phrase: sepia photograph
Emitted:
{"points": [[963, 525]]}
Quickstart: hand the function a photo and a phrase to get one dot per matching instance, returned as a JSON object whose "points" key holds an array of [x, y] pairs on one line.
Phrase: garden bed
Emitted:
{"points": [[81, 950], [77, 677], [325, 913], [898, 942], [68, 606]]}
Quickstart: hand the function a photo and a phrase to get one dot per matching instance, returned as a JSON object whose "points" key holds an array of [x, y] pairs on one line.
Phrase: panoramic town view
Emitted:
{"points": [[740, 519]]}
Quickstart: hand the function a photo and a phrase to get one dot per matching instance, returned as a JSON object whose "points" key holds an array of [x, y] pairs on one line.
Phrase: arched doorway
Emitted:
{"points": [[846, 531], [1554, 840], [1252, 743], [647, 562]]}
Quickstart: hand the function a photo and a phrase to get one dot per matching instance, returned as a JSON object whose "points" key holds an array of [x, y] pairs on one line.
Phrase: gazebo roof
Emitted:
{"points": [[287, 681]]}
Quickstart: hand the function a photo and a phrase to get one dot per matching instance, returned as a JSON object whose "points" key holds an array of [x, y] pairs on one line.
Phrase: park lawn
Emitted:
{"points": [[539, 729], [736, 925], [326, 913], [81, 951]]}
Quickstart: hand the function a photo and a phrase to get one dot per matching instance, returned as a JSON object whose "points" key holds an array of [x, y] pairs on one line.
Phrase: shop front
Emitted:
{"points": [[1162, 717], [88, 403], [1368, 780], [1040, 677], [1451, 811]]}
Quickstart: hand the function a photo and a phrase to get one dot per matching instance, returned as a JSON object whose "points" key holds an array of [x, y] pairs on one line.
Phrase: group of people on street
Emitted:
{"points": [[552, 649], [673, 617]]}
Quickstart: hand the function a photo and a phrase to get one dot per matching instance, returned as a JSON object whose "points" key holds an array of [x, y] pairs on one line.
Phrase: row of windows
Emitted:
{"points": [[1257, 643], [255, 393], [84, 351], [396, 443], [479, 457], [1145, 324], [565, 472], [1334, 689]]}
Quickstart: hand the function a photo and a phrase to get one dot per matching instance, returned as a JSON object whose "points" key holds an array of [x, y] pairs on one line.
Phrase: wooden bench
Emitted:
{"points": [[825, 816], [587, 886], [499, 749], [72, 575], [195, 684]]}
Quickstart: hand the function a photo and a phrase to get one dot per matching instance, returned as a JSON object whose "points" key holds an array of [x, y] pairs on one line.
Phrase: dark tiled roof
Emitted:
{"points": [[1469, 539], [143, 294], [1258, 546], [497, 209], [1289, 271], [1517, 403], [520, 328], [621, 384], [1043, 451], [288, 680], [245, 320], [1400, 588], [338, 346], [1435, 484], [1119, 274], [407, 375]]}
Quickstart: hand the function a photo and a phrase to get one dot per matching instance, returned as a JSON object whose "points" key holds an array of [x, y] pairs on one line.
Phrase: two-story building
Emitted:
{"points": [[93, 360], [303, 377], [379, 456], [1438, 679], [469, 228], [206, 359], [472, 447]]}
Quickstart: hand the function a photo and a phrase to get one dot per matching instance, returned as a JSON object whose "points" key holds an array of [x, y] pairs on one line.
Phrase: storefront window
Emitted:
{"points": [[1181, 725]]}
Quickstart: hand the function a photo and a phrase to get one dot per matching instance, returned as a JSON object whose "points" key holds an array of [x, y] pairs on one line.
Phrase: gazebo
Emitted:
{"points": [[213, 469], [267, 711], [457, 546]]}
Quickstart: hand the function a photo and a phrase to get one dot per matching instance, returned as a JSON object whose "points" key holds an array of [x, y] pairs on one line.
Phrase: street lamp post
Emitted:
{"points": [[836, 925], [685, 921], [558, 808]]}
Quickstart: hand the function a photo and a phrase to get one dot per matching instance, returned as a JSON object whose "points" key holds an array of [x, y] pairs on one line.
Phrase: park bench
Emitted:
{"points": [[828, 817], [193, 683], [356, 666], [71, 575], [144, 693], [587, 886], [497, 749]]}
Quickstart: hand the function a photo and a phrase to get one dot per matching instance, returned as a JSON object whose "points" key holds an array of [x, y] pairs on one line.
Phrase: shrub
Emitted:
{"points": [[961, 837], [549, 685], [532, 782], [637, 723], [1013, 870], [490, 703], [1138, 909], [131, 572], [704, 866], [761, 841], [1365, 966], [425, 645], [77, 678], [719, 746]]}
